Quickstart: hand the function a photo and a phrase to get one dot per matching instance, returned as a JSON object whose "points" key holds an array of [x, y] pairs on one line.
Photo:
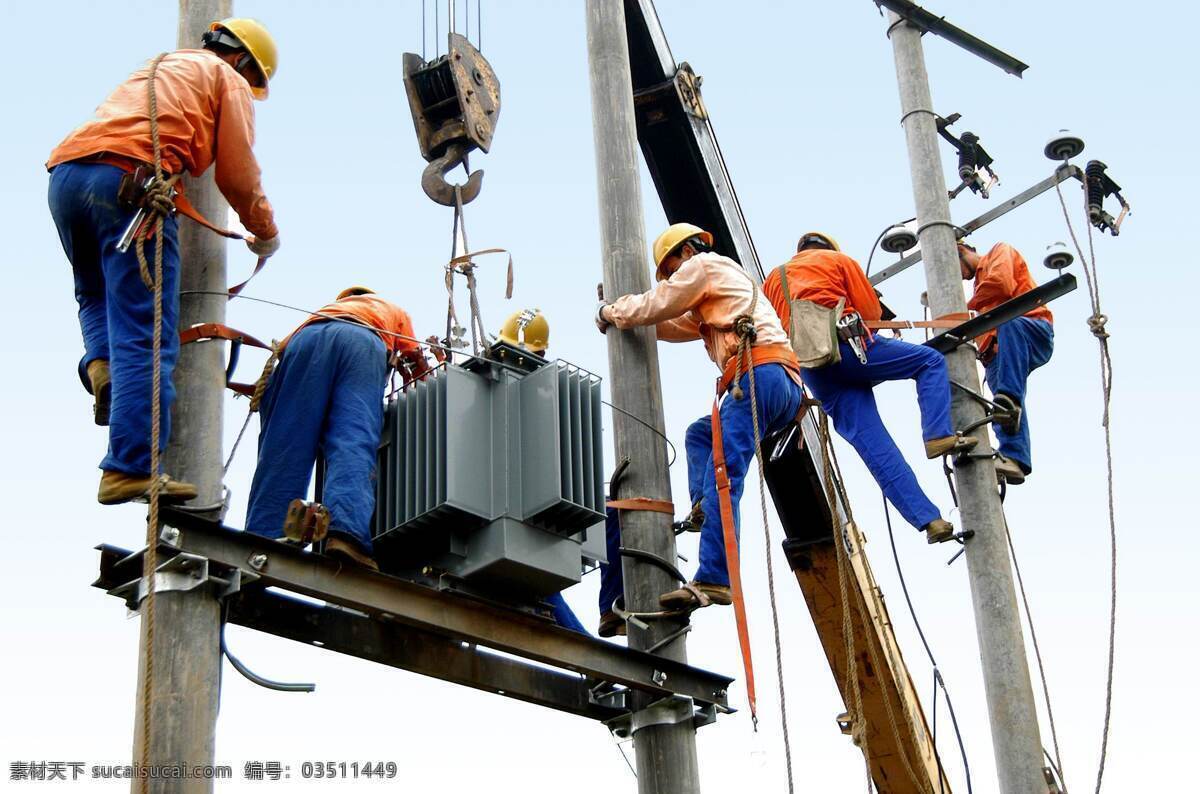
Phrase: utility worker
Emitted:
{"points": [[821, 274], [204, 117], [326, 395], [703, 295], [1010, 352]]}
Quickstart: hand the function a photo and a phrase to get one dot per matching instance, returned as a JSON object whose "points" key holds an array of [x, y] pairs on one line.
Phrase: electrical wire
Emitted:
{"points": [[937, 675], [875, 245], [649, 427]]}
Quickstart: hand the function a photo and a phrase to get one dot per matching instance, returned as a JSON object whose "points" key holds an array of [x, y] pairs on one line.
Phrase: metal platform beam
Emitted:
{"points": [[413, 613], [959, 335]]}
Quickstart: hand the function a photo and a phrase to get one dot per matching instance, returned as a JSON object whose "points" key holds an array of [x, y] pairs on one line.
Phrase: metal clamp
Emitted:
{"points": [[671, 710], [182, 573]]}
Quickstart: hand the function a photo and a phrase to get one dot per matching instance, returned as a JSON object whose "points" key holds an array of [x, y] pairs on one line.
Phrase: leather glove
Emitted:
{"points": [[263, 248], [601, 323]]}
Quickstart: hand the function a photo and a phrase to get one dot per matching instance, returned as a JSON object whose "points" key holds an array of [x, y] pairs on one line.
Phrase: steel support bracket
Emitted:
{"points": [[180, 573], [671, 710]]}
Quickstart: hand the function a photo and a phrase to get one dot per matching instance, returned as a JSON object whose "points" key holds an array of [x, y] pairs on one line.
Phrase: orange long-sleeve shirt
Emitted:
{"points": [[382, 316], [1001, 276], [205, 116], [823, 277], [699, 301]]}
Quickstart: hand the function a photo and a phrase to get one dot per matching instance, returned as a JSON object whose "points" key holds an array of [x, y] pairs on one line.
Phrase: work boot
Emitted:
{"points": [[694, 521], [100, 376], [1009, 406], [611, 626], [118, 487], [685, 597], [1009, 470], [939, 530], [949, 444], [348, 551]]}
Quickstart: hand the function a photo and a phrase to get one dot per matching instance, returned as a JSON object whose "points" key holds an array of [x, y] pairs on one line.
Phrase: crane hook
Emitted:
{"points": [[433, 179]]}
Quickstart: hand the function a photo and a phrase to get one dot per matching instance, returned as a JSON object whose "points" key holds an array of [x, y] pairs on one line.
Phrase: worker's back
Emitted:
{"points": [[823, 277]]}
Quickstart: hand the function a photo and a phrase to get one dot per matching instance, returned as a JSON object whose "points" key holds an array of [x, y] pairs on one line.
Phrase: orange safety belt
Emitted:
{"points": [[945, 321], [185, 207], [732, 559], [202, 331]]}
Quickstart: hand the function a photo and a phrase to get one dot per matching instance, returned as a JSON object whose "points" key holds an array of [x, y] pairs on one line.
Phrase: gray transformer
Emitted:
{"points": [[493, 473]]}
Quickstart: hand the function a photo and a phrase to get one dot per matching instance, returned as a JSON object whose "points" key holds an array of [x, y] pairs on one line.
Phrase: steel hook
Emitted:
{"points": [[433, 180]]}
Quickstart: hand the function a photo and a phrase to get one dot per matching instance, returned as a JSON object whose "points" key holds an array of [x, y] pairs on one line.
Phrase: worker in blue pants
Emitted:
{"points": [[845, 391], [1024, 344], [1010, 352], [326, 395], [116, 315], [779, 400], [612, 586]]}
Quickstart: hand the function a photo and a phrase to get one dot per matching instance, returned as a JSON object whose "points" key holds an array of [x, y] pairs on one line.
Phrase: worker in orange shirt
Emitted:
{"points": [[326, 395], [822, 274], [205, 119], [1010, 352], [699, 296]]}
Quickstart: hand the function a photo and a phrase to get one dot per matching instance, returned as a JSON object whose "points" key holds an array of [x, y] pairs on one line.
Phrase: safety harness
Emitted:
{"points": [[748, 356]]}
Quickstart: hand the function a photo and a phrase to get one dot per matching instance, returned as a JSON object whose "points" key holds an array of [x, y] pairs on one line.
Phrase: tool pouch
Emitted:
{"points": [[131, 193], [813, 329], [851, 327]]}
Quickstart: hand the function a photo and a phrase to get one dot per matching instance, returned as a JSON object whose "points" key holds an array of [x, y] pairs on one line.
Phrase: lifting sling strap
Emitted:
{"points": [[732, 558]]}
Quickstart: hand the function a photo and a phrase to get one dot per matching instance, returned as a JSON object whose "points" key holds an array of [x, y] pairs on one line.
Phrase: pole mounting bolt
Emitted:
{"points": [[258, 561]]}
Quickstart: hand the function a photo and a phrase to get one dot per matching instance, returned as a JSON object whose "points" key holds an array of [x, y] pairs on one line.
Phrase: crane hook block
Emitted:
{"points": [[455, 103]]}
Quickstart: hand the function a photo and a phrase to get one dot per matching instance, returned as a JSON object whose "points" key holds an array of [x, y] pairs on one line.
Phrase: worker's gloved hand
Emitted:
{"points": [[435, 347], [263, 247], [602, 323]]}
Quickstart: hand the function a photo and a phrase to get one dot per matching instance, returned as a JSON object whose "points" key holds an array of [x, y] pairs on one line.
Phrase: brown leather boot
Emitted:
{"points": [[946, 445], [348, 551], [100, 376], [1009, 470], [685, 597], [117, 488], [611, 626], [939, 530]]}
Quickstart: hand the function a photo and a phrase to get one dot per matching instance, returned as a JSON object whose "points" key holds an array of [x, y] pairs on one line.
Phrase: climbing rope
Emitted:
{"points": [[1096, 324], [260, 388], [160, 203], [743, 326], [833, 480]]}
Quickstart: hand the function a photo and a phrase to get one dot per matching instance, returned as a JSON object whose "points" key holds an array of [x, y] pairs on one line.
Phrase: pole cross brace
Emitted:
{"points": [[671, 710], [181, 573]]}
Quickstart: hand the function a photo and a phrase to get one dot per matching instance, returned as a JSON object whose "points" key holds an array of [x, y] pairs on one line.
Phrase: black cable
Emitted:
{"points": [[871, 255], [937, 675], [254, 677], [649, 427]]}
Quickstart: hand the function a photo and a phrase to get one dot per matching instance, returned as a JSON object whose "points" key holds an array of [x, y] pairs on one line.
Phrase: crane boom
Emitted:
{"points": [[693, 184]]}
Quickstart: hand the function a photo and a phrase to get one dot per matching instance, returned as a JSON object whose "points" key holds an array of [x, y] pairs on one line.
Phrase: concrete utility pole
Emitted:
{"points": [[666, 754], [1011, 708], [187, 623]]}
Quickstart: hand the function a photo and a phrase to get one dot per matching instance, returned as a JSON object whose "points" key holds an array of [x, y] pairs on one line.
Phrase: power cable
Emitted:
{"points": [[1037, 651], [649, 427], [1096, 324], [939, 681]]}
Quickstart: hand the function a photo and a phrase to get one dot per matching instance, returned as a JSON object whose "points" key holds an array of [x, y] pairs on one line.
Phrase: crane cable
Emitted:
{"points": [[1096, 324]]}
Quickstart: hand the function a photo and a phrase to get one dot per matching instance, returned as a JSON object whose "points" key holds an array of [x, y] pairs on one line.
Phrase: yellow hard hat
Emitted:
{"points": [[669, 240], [808, 237], [350, 292], [258, 42], [527, 329]]}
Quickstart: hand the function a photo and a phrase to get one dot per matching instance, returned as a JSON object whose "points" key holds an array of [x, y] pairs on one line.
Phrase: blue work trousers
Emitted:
{"points": [[612, 585], [1023, 345], [116, 309], [778, 403], [326, 395], [846, 393]]}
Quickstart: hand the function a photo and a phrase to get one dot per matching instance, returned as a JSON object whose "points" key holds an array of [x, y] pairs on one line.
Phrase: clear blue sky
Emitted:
{"points": [[803, 99]]}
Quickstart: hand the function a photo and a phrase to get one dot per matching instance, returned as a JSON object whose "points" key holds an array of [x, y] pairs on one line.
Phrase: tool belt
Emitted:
{"points": [[131, 193], [851, 327]]}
